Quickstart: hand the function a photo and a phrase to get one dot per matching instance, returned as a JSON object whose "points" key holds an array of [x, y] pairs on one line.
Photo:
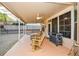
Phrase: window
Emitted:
{"points": [[75, 32], [48, 28], [54, 25], [75, 24], [65, 24]]}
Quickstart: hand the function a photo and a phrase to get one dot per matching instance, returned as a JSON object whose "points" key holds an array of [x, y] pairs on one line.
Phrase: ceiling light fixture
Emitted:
{"points": [[38, 17]]}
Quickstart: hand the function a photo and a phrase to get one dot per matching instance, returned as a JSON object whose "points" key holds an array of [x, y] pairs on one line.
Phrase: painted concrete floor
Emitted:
{"points": [[23, 48], [7, 41]]}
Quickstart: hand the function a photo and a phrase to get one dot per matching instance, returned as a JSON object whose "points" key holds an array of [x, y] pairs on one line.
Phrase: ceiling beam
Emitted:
{"points": [[65, 3]]}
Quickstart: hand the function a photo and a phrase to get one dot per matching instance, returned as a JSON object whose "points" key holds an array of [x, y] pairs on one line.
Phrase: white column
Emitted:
{"points": [[78, 22], [50, 26], [72, 25], [23, 28], [18, 29], [58, 23]]}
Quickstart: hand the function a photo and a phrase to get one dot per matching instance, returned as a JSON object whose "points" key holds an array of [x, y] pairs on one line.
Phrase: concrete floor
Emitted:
{"points": [[7, 41], [23, 48]]}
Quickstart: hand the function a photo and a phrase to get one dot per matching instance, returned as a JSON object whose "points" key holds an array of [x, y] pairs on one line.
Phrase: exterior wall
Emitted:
{"points": [[66, 41], [46, 28], [78, 23]]}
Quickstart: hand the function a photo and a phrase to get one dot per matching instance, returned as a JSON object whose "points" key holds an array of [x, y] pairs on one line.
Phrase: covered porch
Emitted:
{"points": [[54, 18]]}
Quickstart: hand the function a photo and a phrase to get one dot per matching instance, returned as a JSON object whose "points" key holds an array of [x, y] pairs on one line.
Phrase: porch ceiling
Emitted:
{"points": [[27, 11]]}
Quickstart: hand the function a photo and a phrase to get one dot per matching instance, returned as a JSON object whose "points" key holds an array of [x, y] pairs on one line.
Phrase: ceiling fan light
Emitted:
{"points": [[39, 18]]}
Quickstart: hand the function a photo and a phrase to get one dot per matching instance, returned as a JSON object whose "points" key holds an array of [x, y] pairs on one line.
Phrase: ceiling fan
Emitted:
{"points": [[38, 17]]}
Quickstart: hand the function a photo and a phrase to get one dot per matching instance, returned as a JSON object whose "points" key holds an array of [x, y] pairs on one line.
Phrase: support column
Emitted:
{"points": [[78, 22], [72, 25], [23, 28], [58, 23], [18, 29]]}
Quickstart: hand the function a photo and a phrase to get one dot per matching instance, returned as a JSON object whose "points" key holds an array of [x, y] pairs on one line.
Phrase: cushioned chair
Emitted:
{"points": [[55, 38]]}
